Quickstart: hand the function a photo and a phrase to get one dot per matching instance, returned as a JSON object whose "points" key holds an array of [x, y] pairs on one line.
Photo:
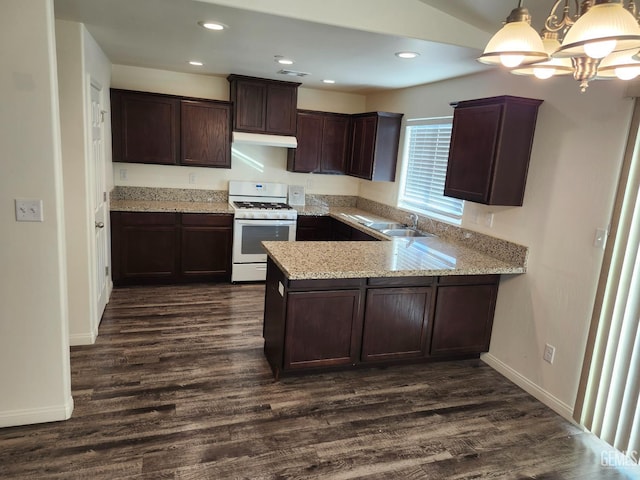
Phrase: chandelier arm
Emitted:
{"points": [[552, 24]]}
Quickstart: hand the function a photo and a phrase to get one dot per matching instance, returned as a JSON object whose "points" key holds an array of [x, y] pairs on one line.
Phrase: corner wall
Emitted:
{"points": [[34, 345], [79, 57], [577, 153]]}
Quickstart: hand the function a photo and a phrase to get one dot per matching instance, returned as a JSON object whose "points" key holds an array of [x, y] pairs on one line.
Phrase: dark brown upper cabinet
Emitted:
{"points": [[170, 130], [144, 127], [263, 106], [206, 130], [323, 143], [374, 146], [490, 149]]}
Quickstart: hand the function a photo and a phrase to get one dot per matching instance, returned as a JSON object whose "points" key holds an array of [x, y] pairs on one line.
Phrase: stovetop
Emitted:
{"points": [[256, 205]]}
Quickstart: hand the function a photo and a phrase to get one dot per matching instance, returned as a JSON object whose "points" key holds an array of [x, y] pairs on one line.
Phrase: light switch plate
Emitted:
{"points": [[600, 238], [29, 210]]}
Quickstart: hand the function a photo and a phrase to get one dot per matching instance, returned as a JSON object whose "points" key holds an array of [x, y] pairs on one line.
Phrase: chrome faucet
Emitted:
{"points": [[414, 220]]}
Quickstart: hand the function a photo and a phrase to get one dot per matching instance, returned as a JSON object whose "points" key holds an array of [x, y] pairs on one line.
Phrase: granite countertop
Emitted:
{"points": [[399, 257], [168, 206], [470, 254]]}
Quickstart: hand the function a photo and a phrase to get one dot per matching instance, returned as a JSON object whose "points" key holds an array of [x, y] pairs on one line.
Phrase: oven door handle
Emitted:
{"points": [[262, 222]]}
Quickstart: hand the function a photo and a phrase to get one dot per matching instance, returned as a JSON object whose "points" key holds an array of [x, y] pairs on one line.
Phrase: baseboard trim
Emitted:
{"points": [[78, 339], [528, 386], [54, 413]]}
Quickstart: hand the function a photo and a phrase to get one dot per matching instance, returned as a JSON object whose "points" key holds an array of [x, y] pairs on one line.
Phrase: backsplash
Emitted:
{"points": [[169, 194]]}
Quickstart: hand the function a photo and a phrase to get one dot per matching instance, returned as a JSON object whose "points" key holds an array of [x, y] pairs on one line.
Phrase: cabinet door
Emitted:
{"points": [[463, 319], [147, 127], [206, 247], [145, 247], [311, 228], [473, 148], [340, 232], [363, 147], [281, 110], [323, 329], [396, 323], [306, 158], [250, 105], [206, 134], [360, 236], [335, 144]]}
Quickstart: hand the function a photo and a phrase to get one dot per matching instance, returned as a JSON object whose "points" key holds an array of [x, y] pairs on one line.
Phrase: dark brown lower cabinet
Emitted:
{"points": [[145, 247], [464, 314], [396, 323], [323, 329], [149, 248], [205, 247], [312, 228], [332, 323], [320, 228]]}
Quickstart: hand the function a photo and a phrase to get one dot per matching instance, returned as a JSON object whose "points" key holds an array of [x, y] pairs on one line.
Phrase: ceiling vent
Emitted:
{"points": [[293, 73]]}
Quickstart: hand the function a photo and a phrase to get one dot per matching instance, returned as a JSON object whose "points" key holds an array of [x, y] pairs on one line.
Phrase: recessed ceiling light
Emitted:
{"points": [[326, 80], [212, 25], [407, 54], [195, 63], [282, 60]]}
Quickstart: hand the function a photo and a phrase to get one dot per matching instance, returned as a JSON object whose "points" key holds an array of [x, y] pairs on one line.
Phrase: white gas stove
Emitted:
{"points": [[261, 213]]}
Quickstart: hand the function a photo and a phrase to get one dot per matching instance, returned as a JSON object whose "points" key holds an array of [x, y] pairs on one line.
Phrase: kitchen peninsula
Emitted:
{"points": [[350, 304]]}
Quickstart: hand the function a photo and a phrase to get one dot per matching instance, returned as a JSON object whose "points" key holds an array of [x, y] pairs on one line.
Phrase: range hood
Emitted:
{"points": [[244, 138]]}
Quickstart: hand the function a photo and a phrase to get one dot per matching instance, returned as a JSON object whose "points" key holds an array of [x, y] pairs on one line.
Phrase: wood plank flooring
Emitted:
{"points": [[176, 387]]}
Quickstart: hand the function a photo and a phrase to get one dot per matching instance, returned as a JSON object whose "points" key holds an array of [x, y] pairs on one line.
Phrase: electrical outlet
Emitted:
{"points": [[488, 220], [549, 353], [192, 178], [600, 239], [123, 174]]}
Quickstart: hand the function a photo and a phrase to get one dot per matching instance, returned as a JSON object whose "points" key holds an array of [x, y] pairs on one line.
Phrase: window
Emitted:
{"points": [[426, 152]]}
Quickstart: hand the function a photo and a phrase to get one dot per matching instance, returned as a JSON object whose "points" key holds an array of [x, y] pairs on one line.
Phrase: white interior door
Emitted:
{"points": [[99, 199]]}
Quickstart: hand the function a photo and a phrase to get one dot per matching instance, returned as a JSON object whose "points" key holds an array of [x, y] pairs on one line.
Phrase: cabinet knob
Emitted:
{"points": [[99, 224]]}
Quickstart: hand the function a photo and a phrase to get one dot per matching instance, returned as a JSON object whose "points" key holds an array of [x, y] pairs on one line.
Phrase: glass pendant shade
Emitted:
{"points": [[622, 65], [605, 28], [548, 68], [514, 44]]}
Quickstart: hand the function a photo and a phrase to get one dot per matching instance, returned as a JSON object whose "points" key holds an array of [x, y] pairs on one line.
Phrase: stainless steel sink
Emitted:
{"points": [[403, 232], [380, 226]]}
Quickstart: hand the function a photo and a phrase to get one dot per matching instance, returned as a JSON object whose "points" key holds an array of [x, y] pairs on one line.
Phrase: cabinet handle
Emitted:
{"points": [[99, 224]]}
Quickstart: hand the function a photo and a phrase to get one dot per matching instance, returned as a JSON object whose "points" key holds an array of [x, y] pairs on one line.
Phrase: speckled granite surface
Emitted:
{"points": [[399, 257], [169, 194], [455, 251], [169, 206]]}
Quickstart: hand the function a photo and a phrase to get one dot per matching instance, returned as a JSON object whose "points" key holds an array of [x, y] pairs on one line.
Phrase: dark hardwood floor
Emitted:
{"points": [[176, 387]]}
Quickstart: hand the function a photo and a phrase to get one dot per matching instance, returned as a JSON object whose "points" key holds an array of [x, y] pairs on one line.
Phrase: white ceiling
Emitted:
{"points": [[164, 34]]}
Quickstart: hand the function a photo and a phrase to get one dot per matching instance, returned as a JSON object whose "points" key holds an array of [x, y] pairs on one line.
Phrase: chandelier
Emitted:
{"points": [[589, 39]]}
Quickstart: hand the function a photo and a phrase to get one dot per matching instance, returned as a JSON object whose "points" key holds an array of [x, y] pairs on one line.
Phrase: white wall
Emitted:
{"points": [[34, 346], [79, 58], [248, 162], [577, 153]]}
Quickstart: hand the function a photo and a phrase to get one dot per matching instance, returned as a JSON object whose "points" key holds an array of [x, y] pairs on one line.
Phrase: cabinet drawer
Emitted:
{"points": [[401, 281], [148, 218], [469, 280], [322, 284], [206, 219]]}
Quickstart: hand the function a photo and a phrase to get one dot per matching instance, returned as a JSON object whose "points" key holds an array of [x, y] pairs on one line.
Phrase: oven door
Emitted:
{"points": [[248, 235]]}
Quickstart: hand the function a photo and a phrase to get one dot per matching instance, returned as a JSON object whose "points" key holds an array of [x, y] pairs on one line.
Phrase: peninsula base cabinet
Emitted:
{"points": [[155, 248], [311, 325]]}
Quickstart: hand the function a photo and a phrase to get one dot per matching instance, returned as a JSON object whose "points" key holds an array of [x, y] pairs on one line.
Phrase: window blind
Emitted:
{"points": [[608, 396], [427, 153]]}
